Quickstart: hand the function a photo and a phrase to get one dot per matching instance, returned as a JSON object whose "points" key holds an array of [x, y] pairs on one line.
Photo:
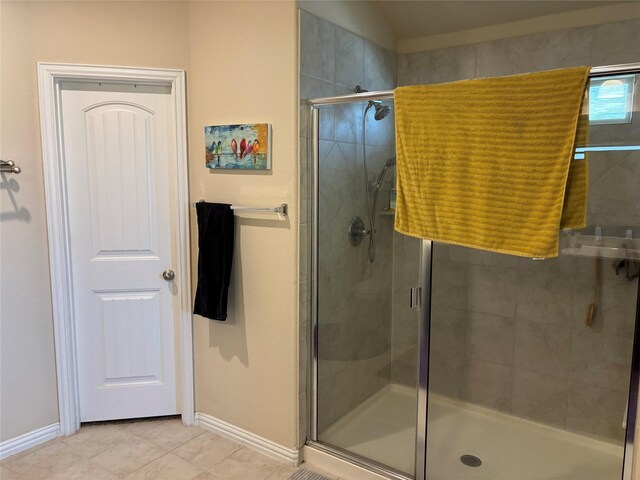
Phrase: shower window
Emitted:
{"points": [[611, 99]]}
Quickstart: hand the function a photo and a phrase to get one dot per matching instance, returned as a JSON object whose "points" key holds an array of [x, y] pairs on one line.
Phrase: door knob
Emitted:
{"points": [[168, 274]]}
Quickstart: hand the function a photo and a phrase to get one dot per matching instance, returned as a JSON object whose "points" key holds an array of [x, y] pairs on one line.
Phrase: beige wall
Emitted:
{"points": [[246, 367], [245, 70], [141, 34]]}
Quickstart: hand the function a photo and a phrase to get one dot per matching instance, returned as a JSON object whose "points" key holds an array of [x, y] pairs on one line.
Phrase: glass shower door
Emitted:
{"points": [[530, 361], [366, 342]]}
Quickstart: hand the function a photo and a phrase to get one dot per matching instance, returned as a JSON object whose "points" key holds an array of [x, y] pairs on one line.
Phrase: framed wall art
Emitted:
{"points": [[243, 147]]}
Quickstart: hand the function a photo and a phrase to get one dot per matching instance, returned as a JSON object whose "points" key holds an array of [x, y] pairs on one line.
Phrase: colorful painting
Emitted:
{"points": [[243, 147]]}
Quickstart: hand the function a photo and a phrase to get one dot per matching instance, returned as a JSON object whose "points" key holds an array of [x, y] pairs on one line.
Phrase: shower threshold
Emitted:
{"points": [[382, 428]]}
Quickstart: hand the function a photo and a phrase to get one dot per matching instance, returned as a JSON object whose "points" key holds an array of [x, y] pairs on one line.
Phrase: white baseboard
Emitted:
{"points": [[262, 445], [30, 439]]}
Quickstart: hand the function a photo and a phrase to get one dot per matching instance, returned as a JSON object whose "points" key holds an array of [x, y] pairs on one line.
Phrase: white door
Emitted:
{"points": [[120, 169]]}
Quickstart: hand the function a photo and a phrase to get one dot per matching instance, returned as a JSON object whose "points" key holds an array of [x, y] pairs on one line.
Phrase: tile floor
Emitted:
{"points": [[153, 449]]}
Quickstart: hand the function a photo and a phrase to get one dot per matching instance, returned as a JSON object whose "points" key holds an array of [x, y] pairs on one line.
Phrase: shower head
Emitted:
{"points": [[381, 110]]}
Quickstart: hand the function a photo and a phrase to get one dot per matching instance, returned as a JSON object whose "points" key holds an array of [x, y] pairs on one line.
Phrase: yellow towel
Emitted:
{"points": [[485, 163]]}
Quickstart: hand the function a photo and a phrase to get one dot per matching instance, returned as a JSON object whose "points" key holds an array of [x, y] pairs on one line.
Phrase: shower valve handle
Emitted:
{"points": [[357, 231]]}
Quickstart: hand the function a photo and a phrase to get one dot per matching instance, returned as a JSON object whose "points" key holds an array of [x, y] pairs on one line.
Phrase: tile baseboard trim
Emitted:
{"points": [[337, 466], [262, 445], [28, 440]]}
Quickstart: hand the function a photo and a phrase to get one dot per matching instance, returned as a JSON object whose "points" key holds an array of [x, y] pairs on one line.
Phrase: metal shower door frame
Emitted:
{"points": [[424, 283], [425, 279]]}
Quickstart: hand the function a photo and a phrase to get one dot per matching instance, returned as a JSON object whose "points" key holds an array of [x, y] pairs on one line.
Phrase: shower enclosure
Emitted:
{"points": [[432, 361]]}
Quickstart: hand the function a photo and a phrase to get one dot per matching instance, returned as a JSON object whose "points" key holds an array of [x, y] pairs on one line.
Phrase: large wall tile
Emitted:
{"points": [[452, 64], [616, 43], [615, 307], [595, 410], [437, 66], [448, 330], [601, 360], [405, 319], [542, 348], [354, 312], [327, 122], [348, 122], [492, 290], [613, 197], [408, 250], [564, 265], [482, 257], [449, 284], [490, 337], [614, 134], [446, 373], [539, 397], [531, 53], [602, 162], [440, 252], [312, 87], [349, 59], [404, 366], [460, 254], [545, 292], [488, 384], [314, 61], [413, 68], [348, 388], [379, 67]]}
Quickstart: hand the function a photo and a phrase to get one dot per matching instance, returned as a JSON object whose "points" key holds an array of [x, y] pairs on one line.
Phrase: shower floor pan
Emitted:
{"points": [[510, 448]]}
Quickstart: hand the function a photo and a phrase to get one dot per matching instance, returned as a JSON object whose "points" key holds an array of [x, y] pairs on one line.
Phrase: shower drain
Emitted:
{"points": [[470, 460]]}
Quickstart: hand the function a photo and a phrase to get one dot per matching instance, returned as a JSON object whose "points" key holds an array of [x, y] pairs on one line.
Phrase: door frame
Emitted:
{"points": [[55, 181]]}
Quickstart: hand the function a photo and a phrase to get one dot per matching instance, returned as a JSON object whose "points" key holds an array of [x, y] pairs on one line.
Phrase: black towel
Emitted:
{"points": [[215, 244]]}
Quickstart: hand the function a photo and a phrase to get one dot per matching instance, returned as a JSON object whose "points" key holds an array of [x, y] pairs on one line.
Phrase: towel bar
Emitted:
{"points": [[280, 210]]}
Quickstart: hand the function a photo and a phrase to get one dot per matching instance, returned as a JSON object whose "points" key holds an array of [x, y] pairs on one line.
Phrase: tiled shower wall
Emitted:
{"points": [[355, 306], [510, 333]]}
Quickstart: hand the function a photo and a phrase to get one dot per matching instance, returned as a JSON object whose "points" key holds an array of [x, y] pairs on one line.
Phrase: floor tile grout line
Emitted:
{"points": [[240, 447], [90, 459], [202, 470], [202, 431], [140, 437]]}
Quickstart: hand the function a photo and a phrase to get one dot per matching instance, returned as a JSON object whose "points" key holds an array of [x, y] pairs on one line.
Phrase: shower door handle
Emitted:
{"points": [[415, 297]]}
